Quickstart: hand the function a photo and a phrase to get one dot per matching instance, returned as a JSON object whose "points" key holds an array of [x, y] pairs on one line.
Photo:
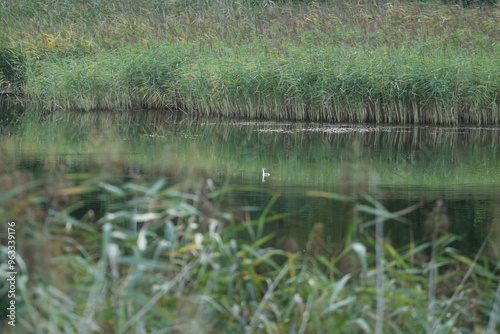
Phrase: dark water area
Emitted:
{"points": [[470, 214], [397, 166]]}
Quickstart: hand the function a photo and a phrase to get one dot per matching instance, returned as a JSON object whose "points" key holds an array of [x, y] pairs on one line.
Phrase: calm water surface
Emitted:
{"points": [[398, 166]]}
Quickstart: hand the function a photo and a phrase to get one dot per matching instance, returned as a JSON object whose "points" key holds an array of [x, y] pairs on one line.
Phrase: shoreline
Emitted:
{"points": [[401, 64]]}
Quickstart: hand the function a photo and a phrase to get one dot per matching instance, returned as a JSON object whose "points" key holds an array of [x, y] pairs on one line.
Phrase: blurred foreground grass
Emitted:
{"points": [[147, 257]]}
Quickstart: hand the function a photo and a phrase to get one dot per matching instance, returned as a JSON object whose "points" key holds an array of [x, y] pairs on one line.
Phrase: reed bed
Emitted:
{"points": [[340, 88], [165, 259], [396, 63]]}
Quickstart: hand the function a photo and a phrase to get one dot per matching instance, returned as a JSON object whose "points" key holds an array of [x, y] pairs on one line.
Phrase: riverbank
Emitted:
{"points": [[401, 63]]}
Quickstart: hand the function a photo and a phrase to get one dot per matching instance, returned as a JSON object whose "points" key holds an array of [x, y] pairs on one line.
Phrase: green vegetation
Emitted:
{"points": [[333, 61], [113, 241], [166, 259]]}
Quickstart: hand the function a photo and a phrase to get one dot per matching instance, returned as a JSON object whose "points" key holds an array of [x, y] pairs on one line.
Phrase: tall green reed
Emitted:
{"points": [[300, 61], [401, 89]]}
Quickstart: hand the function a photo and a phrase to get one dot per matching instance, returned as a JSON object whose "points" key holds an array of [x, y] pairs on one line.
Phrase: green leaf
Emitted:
{"points": [[112, 189], [156, 187]]}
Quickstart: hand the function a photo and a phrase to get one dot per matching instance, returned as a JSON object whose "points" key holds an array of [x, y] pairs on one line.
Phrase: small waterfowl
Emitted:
{"points": [[264, 173]]}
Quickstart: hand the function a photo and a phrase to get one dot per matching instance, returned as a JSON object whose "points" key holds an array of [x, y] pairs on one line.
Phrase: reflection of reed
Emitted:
{"points": [[494, 244], [431, 137], [312, 153], [437, 222]]}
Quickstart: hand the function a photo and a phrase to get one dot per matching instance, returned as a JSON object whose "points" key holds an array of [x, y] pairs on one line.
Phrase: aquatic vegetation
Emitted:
{"points": [[167, 258], [361, 89], [396, 63]]}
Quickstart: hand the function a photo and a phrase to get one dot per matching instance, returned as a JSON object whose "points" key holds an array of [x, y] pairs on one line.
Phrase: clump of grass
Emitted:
{"points": [[334, 87], [341, 87], [121, 80], [165, 258], [12, 74]]}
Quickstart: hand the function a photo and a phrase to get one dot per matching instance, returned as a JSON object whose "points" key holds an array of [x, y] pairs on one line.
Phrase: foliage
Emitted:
{"points": [[166, 259], [392, 63], [11, 68]]}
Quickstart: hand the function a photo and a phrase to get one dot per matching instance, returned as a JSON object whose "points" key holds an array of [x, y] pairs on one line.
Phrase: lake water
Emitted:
{"points": [[399, 166]]}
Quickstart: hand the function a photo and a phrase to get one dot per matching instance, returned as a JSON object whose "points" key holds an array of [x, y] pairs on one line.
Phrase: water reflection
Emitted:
{"points": [[398, 166]]}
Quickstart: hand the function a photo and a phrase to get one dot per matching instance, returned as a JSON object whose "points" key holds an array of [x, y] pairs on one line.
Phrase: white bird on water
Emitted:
{"points": [[264, 173]]}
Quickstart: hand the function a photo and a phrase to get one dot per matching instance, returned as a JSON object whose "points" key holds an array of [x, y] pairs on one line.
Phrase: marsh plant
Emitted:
{"points": [[168, 259], [401, 62]]}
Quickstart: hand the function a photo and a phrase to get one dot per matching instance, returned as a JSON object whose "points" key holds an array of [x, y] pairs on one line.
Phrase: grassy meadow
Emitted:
{"points": [[400, 62]]}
